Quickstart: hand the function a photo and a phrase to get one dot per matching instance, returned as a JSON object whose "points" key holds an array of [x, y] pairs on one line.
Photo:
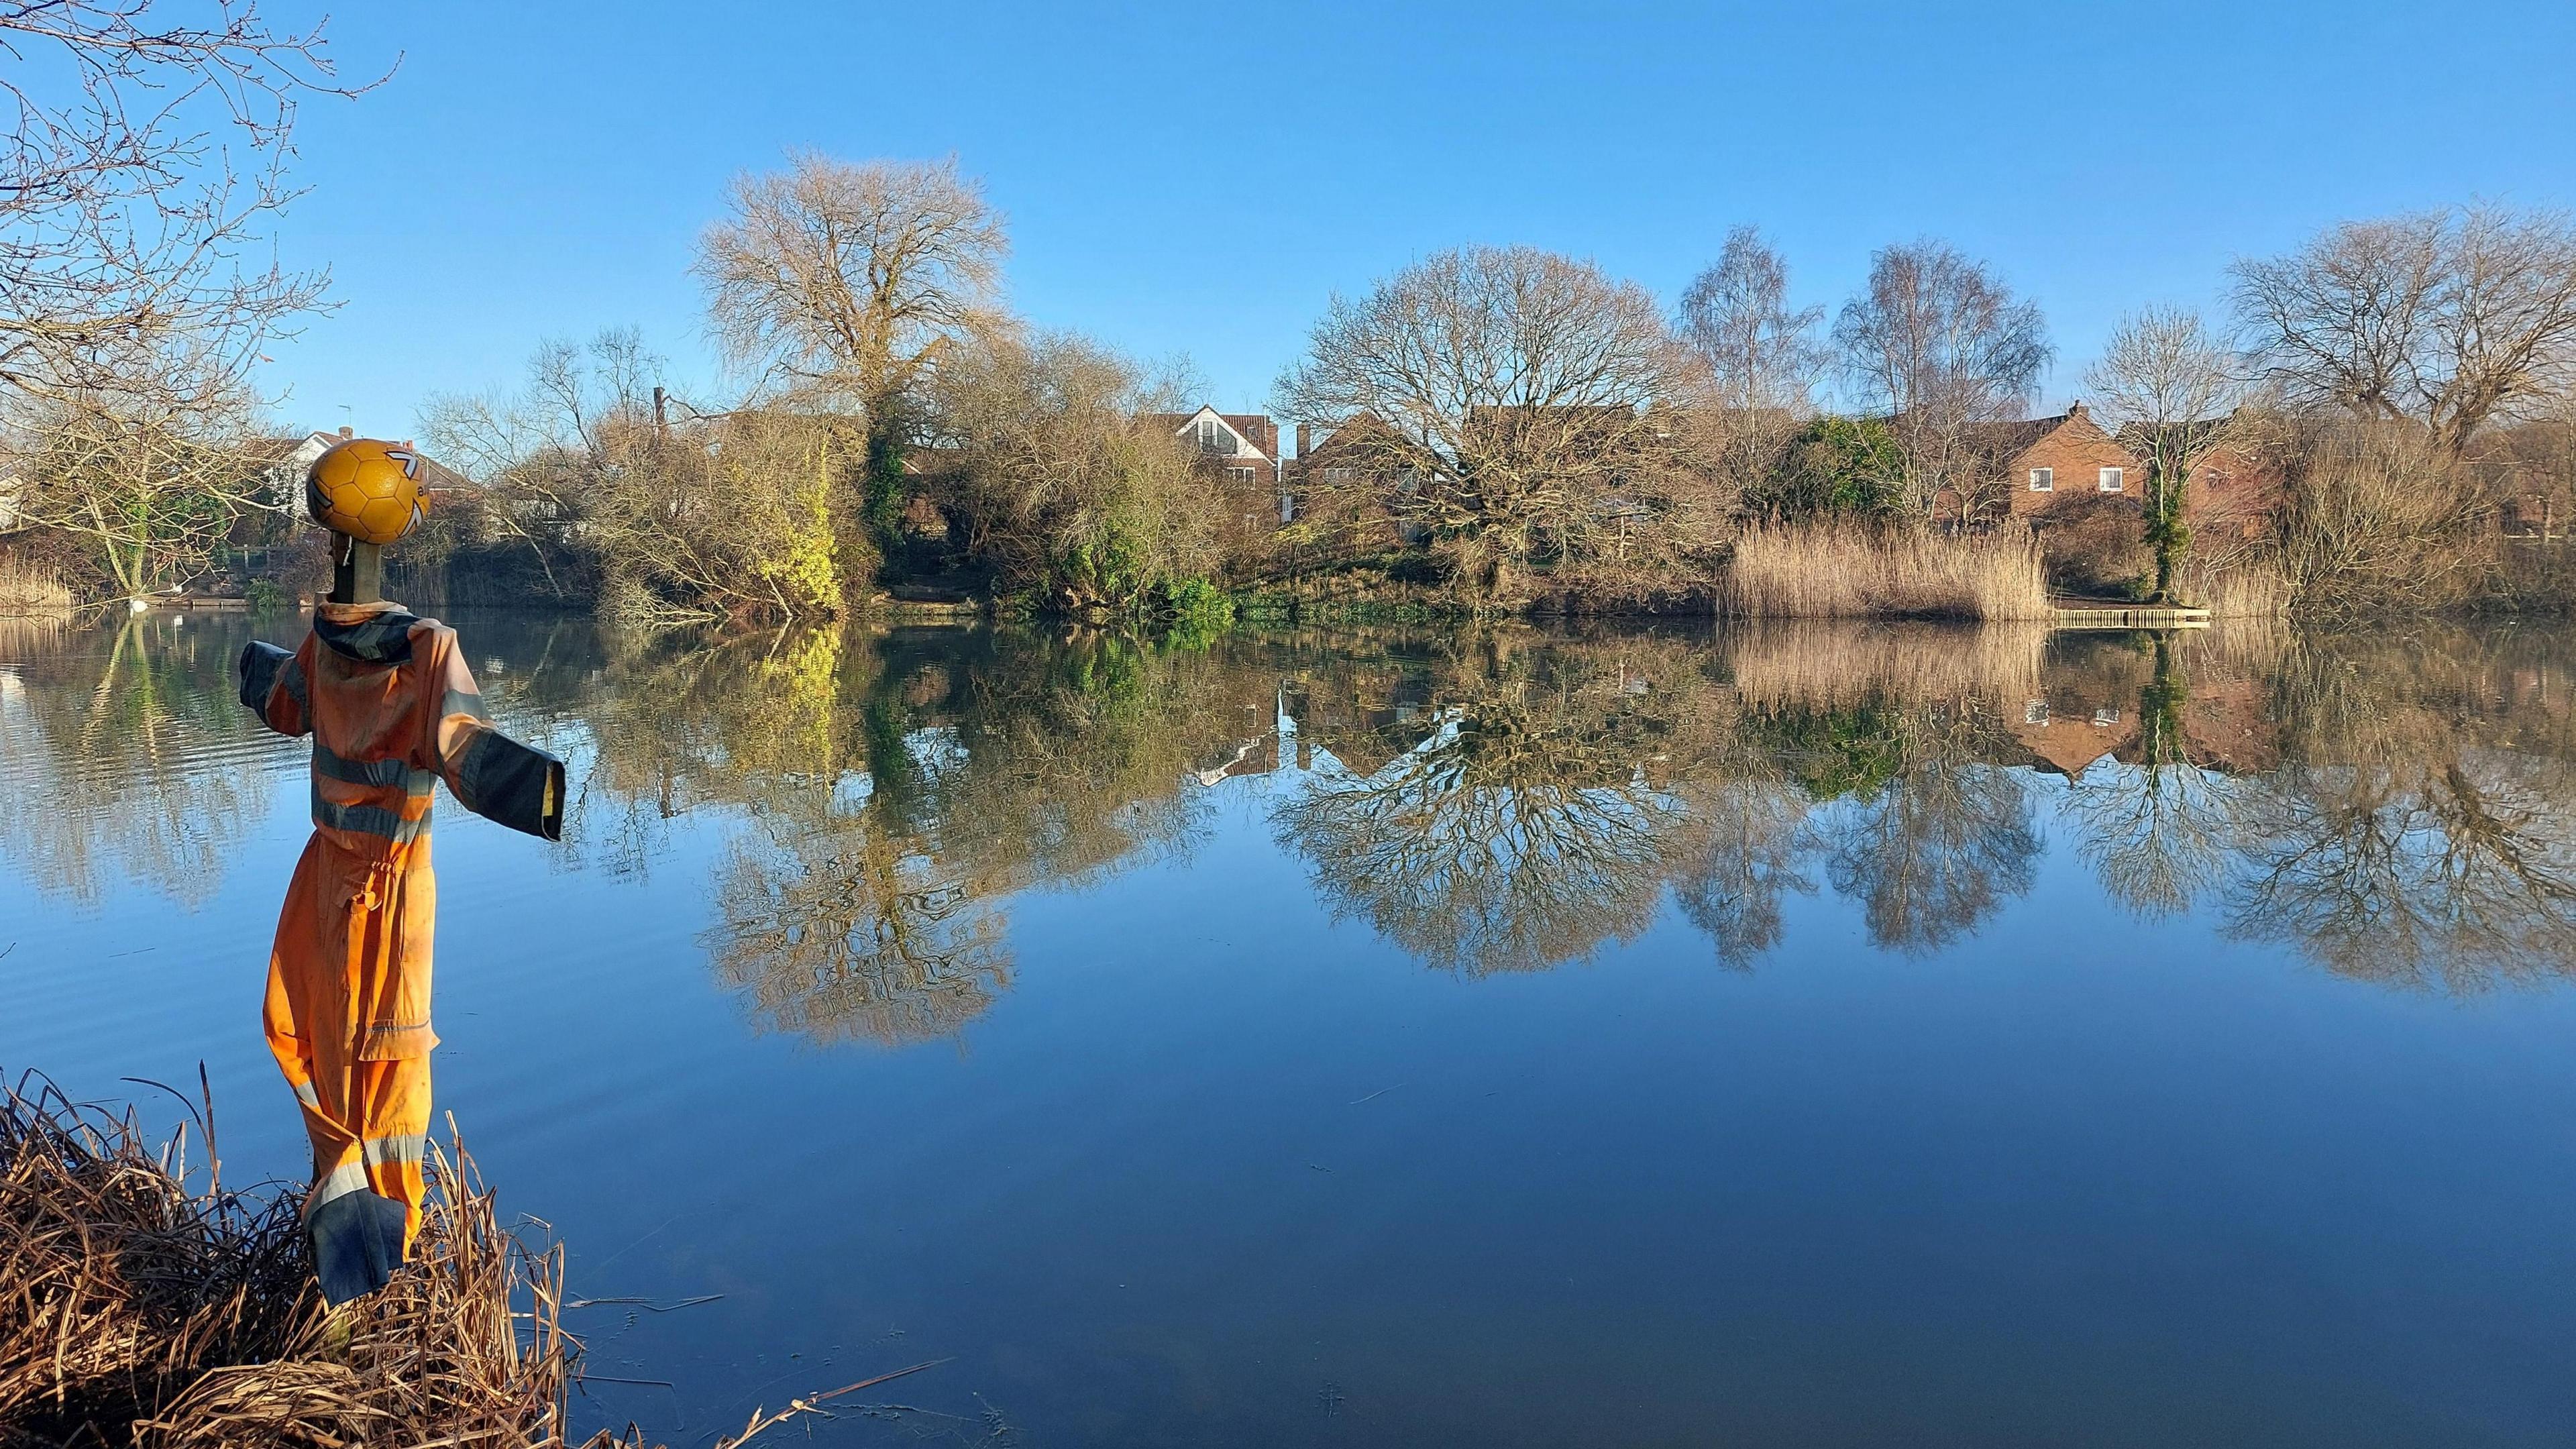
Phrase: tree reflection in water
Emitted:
{"points": [[2156, 830], [1489, 800], [1760, 840], [119, 757], [1941, 847], [2422, 829], [898, 791]]}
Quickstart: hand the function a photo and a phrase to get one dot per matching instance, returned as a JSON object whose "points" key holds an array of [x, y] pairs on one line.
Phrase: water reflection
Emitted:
{"points": [[124, 758], [1500, 800]]}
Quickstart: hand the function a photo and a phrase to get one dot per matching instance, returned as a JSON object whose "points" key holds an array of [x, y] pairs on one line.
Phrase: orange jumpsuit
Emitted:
{"points": [[391, 708]]}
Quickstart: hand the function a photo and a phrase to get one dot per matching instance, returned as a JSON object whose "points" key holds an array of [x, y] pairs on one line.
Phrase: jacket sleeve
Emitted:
{"points": [[491, 774], [273, 687]]}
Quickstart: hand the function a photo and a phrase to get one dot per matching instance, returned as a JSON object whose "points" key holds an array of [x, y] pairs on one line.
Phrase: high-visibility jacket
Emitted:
{"points": [[392, 709]]}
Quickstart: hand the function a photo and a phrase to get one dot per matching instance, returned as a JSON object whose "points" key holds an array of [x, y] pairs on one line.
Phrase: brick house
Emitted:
{"points": [[2047, 460], [2234, 486]]}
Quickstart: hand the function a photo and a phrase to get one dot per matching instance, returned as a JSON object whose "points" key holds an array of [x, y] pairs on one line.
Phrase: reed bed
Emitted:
{"points": [[138, 1309], [1829, 665], [120, 1286], [2250, 589], [1853, 571], [29, 591]]}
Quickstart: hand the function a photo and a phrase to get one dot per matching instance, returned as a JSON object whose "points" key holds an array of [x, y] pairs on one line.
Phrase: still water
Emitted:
{"points": [[1823, 1036]]}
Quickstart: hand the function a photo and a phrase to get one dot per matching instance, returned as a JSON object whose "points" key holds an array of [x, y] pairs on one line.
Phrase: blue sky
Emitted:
{"points": [[1200, 179]]}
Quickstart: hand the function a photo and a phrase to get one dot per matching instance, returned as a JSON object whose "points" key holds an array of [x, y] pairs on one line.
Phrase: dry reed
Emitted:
{"points": [[137, 1309], [119, 1285], [2246, 588], [1853, 571], [27, 590]]}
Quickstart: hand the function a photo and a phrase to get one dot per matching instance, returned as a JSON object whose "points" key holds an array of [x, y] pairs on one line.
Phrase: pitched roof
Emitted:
{"points": [[2009, 440], [1255, 429]]}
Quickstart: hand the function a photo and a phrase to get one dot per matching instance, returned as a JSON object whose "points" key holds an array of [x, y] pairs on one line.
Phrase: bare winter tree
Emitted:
{"points": [[1062, 493], [852, 279], [146, 471], [2172, 387], [1763, 357], [1761, 354], [147, 158], [2448, 318], [1518, 406], [148, 154], [1943, 347]]}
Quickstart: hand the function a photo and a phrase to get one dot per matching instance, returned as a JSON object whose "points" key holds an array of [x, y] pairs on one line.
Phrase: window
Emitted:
{"points": [[2043, 480], [2113, 480], [1239, 476], [2107, 716], [1341, 477], [1213, 438], [2035, 712]]}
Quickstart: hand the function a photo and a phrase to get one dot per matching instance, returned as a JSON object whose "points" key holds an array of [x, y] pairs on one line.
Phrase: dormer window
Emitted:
{"points": [[1213, 437], [2114, 480], [2043, 480]]}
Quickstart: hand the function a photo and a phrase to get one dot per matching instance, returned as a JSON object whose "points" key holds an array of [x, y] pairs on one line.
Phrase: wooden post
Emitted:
{"points": [[357, 571]]}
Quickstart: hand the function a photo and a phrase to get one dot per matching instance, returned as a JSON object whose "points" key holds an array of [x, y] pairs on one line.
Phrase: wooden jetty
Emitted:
{"points": [[2120, 614]]}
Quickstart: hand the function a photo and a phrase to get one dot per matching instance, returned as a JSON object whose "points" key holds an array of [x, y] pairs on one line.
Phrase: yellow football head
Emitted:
{"points": [[366, 488]]}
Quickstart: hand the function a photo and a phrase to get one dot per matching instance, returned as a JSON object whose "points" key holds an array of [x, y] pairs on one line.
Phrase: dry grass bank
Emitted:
{"points": [[137, 1307], [1850, 571]]}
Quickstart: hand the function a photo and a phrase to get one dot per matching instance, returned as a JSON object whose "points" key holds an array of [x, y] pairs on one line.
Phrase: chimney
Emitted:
{"points": [[1305, 440], [347, 432], [2075, 409]]}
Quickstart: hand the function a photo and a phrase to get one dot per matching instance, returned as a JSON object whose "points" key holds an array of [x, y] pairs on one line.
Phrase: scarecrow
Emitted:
{"points": [[392, 709]]}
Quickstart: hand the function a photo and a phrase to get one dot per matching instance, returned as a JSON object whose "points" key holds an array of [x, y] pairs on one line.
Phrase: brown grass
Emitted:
{"points": [[118, 1284], [27, 590], [1852, 571], [139, 1309]]}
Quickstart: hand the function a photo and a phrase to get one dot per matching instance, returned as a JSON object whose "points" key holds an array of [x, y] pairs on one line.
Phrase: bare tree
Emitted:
{"points": [[1736, 316], [1944, 348], [1763, 358], [2448, 318], [853, 278], [148, 153], [2172, 388], [1518, 405], [147, 466]]}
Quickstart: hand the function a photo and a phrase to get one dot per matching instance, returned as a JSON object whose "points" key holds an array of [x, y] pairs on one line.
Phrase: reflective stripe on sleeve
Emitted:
{"points": [[463, 702]]}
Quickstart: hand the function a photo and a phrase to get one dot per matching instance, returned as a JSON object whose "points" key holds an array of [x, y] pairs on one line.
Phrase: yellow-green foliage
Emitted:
{"points": [[808, 571]]}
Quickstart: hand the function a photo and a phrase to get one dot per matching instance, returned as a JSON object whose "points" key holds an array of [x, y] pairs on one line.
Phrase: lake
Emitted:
{"points": [[1814, 1036]]}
